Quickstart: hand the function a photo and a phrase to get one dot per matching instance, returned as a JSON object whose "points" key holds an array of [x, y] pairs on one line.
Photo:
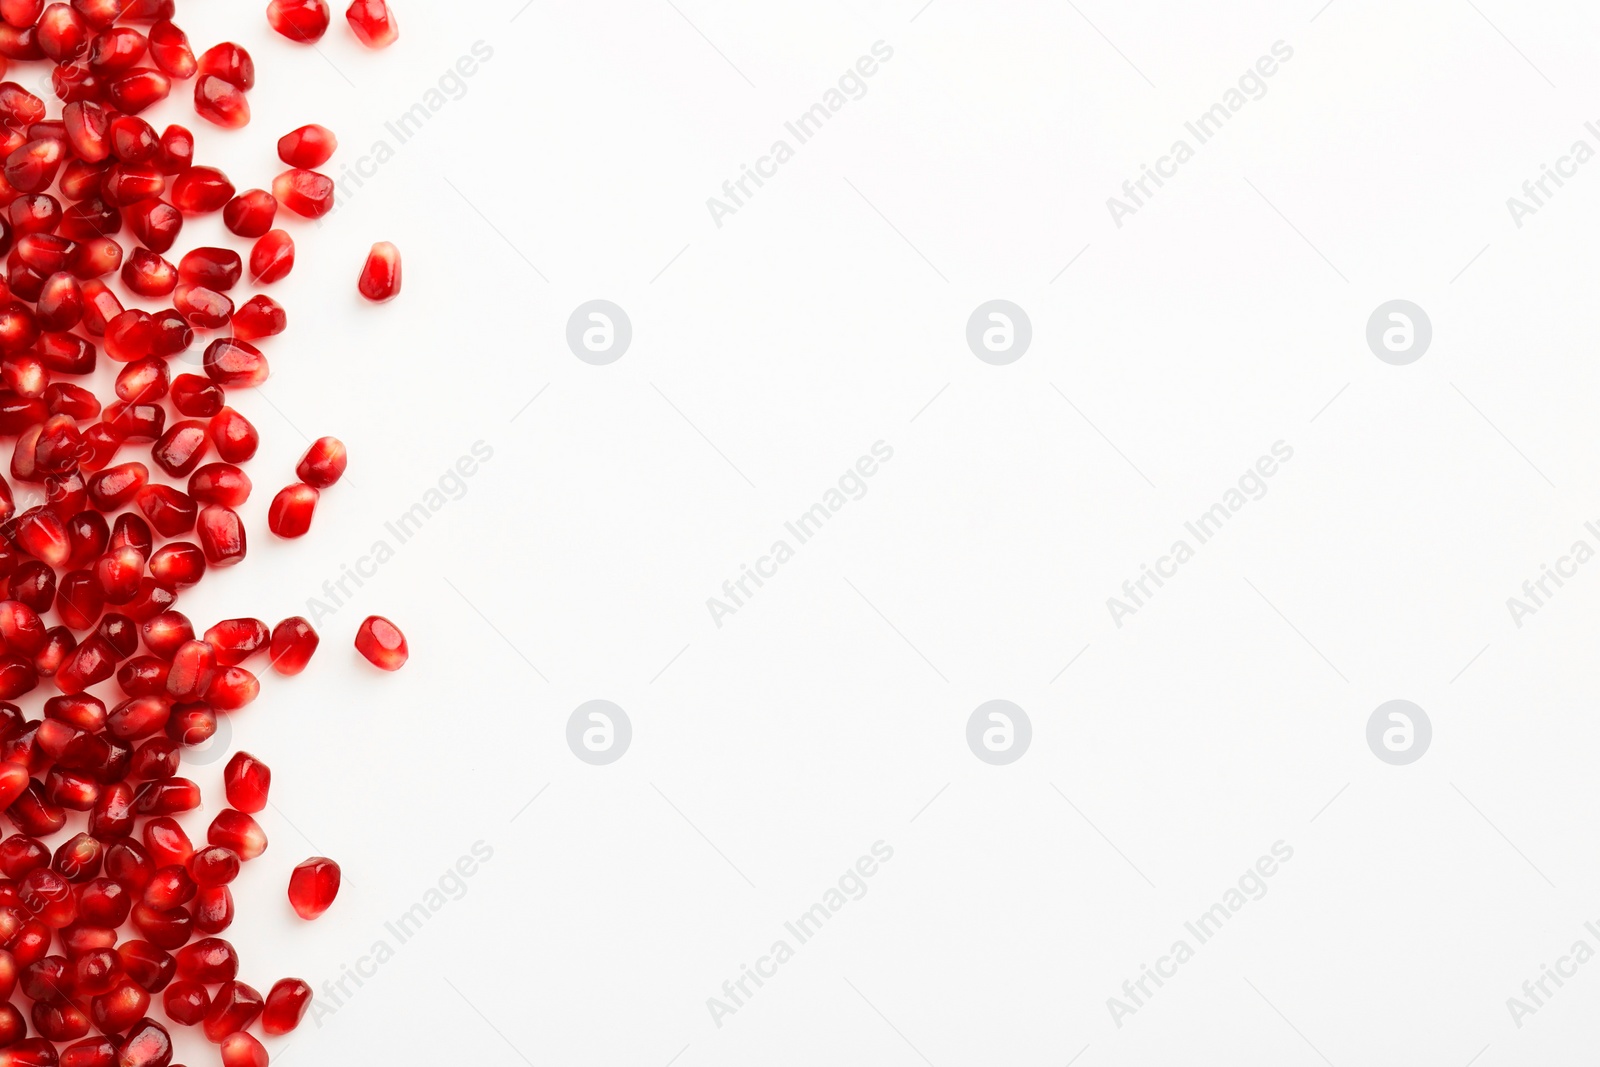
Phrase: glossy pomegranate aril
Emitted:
{"points": [[180, 450], [220, 483], [304, 21], [235, 364], [380, 276], [237, 831], [202, 308], [305, 192], [373, 24], [234, 436], [272, 257], [231, 63], [286, 1005], [169, 47], [147, 274], [198, 397], [382, 643], [242, 1050], [210, 961], [147, 1045], [313, 886], [293, 643], [177, 150], [236, 640], [290, 514], [154, 222], [260, 316], [308, 147], [233, 1008], [221, 102], [201, 190], [215, 268], [138, 89], [250, 214], [186, 1002], [175, 565]]}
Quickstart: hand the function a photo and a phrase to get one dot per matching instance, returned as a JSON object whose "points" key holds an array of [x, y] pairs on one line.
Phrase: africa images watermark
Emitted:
{"points": [[449, 87], [737, 591], [1252, 85], [851, 885], [852, 85], [1537, 591], [1537, 992], [449, 887], [1252, 885], [1536, 192], [450, 486], [1137, 592]]}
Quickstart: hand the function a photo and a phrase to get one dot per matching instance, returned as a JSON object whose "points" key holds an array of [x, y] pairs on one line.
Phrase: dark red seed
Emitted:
{"points": [[304, 192], [221, 102], [309, 146], [247, 781], [313, 886], [290, 514], [323, 463], [272, 257], [233, 1008], [250, 214], [234, 436], [372, 23], [293, 642], [286, 1006], [304, 21], [221, 536], [231, 63], [260, 316]]}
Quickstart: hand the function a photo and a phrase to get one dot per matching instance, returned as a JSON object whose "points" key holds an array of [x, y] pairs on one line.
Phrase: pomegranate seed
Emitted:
{"points": [[250, 214], [186, 1003], [133, 140], [147, 274], [382, 643], [220, 483], [213, 909], [231, 63], [201, 190], [380, 277], [312, 886], [180, 450], [164, 633], [146, 964], [233, 1008], [136, 90], [214, 268], [194, 664], [214, 865], [203, 308], [177, 150], [246, 780], [260, 316], [147, 1045], [33, 167], [236, 640], [374, 26], [63, 34], [197, 397], [235, 364], [210, 961], [293, 643], [221, 536], [169, 47], [272, 257], [304, 21], [286, 1005], [233, 435], [170, 512], [241, 1050], [309, 146], [221, 102], [155, 223], [237, 831], [290, 513], [177, 564], [305, 192]]}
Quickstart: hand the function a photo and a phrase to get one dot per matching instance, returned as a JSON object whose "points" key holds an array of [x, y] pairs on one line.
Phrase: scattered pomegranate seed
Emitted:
{"points": [[247, 781], [221, 102], [291, 510], [312, 886], [309, 146], [374, 26], [250, 214], [304, 21], [380, 277], [304, 192], [272, 257], [382, 643], [286, 1005], [293, 643], [323, 464]]}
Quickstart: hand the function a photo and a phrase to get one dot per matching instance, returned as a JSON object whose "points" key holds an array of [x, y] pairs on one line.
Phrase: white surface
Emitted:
{"points": [[805, 728]]}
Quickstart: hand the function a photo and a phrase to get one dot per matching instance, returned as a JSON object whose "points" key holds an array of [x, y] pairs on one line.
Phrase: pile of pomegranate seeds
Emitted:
{"points": [[122, 905]]}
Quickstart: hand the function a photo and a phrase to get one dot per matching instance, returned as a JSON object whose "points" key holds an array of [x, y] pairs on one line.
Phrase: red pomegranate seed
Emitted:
{"points": [[235, 364], [147, 274], [214, 268], [220, 483], [221, 102], [293, 643], [246, 781], [133, 140], [237, 831], [286, 1006], [202, 308], [143, 962], [142, 380], [250, 214], [186, 1003], [147, 1045], [201, 190], [213, 909], [136, 90], [291, 510], [260, 316], [169, 511], [234, 436], [231, 63], [177, 150], [380, 277], [195, 396], [175, 565], [382, 643], [154, 222], [309, 146], [213, 865], [241, 1050], [63, 34], [169, 47], [373, 24], [304, 21], [312, 886], [193, 666], [323, 463], [180, 450], [221, 535], [236, 640], [304, 192], [272, 257]]}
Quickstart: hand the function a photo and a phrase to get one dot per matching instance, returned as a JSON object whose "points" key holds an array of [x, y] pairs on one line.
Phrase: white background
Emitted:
{"points": [[829, 713]]}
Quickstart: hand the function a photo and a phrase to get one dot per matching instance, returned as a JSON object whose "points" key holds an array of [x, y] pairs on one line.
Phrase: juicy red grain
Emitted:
{"points": [[313, 885], [372, 23], [380, 276], [382, 643], [293, 643], [272, 257], [304, 192], [291, 510], [250, 214], [309, 146], [304, 21]]}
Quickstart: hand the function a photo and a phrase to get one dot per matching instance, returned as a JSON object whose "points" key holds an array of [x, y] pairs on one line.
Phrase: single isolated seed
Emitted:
{"points": [[309, 146], [382, 643], [380, 276], [313, 885], [372, 23]]}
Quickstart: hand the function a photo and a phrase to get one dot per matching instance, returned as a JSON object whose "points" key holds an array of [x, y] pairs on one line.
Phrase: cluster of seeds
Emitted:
{"points": [[95, 552]]}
